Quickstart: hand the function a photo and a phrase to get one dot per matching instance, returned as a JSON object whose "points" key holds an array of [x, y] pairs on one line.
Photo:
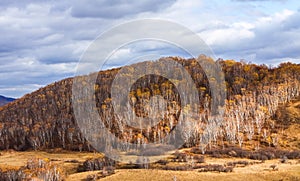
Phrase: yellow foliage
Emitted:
{"points": [[139, 135]]}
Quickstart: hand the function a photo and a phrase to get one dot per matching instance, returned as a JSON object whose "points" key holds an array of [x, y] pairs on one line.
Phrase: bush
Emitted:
{"points": [[177, 168], [230, 151], [72, 161], [129, 166], [196, 150], [97, 164], [162, 162], [262, 154], [258, 156], [241, 163], [215, 168], [273, 167], [180, 157], [228, 169], [92, 177], [293, 155], [284, 159], [109, 169], [199, 159]]}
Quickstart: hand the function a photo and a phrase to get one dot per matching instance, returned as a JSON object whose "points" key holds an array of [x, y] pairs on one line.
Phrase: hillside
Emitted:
{"points": [[254, 115], [5, 100]]}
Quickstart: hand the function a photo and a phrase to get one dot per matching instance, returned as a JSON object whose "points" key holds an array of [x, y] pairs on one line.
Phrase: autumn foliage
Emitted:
{"points": [[44, 119]]}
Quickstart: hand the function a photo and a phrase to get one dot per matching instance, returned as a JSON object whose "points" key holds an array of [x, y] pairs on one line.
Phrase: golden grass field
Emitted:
{"points": [[256, 172]]}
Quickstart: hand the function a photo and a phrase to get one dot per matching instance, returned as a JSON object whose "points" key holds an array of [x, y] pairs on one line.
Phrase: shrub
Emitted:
{"points": [[109, 169], [199, 159], [240, 162], [228, 169], [180, 157], [284, 159], [106, 171], [273, 167], [162, 162], [215, 168], [262, 154], [177, 168], [293, 155], [92, 177], [196, 150], [97, 164], [230, 151], [72, 161]]}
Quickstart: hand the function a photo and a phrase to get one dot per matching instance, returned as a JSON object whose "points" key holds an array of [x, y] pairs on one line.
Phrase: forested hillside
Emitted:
{"points": [[253, 115]]}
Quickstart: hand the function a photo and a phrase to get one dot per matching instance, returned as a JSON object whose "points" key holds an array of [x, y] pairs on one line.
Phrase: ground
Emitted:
{"points": [[260, 171]]}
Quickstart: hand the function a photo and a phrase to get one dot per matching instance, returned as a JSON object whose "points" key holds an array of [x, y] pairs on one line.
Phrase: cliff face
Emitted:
{"points": [[44, 119]]}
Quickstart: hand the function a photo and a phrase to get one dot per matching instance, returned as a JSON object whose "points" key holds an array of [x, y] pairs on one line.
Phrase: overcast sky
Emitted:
{"points": [[42, 41]]}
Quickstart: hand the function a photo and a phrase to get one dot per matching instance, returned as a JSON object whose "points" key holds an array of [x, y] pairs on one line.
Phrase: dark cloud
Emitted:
{"points": [[116, 8]]}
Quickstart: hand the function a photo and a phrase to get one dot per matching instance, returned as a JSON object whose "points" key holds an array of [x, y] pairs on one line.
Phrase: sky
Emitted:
{"points": [[42, 41]]}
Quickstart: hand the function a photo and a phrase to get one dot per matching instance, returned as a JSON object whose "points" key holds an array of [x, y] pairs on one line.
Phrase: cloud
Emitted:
{"points": [[115, 9], [42, 41], [270, 38], [144, 50], [16, 90], [259, 0], [30, 69]]}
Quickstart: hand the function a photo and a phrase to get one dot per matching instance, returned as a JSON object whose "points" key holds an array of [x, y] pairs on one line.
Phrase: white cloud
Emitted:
{"points": [[226, 37], [17, 90], [270, 38]]}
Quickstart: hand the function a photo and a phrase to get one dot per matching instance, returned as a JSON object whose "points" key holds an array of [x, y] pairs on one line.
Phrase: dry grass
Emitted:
{"points": [[18, 159], [80, 176], [148, 175], [255, 172]]}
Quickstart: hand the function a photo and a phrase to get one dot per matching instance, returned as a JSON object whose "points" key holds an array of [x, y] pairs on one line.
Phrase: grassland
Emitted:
{"points": [[70, 161]]}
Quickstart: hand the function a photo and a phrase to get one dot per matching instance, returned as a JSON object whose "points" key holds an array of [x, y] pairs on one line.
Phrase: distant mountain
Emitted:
{"points": [[257, 96], [5, 100]]}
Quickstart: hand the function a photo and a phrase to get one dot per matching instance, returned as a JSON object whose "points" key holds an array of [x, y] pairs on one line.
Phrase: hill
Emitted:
{"points": [[253, 116], [5, 100]]}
